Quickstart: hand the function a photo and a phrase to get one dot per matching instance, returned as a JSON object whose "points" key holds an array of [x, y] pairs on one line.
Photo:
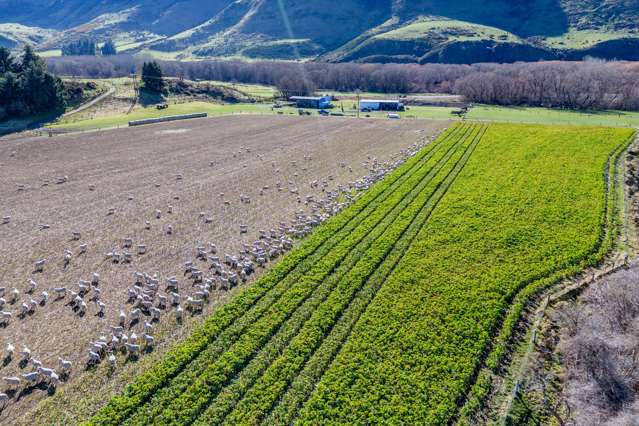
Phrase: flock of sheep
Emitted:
{"points": [[129, 333]]}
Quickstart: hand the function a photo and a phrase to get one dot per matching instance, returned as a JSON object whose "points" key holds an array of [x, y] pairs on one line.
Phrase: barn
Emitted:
{"points": [[380, 105], [318, 102]]}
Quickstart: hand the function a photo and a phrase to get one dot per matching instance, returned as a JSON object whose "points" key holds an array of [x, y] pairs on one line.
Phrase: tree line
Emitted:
{"points": [[577, 85], [88, 47], [26, 87]]}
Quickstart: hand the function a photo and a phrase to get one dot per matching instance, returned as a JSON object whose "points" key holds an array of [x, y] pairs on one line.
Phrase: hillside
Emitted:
{"points": [[347, 30]]}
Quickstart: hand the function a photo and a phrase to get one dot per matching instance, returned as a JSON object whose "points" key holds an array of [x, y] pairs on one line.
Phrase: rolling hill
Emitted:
{"points": [[419, 31]]}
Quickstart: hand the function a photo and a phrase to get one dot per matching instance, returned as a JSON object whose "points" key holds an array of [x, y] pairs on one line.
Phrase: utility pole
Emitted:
{"points": [[358, 96]]}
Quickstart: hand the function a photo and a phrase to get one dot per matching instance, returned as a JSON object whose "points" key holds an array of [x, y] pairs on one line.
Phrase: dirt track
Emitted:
{"points": [[131, 163]]}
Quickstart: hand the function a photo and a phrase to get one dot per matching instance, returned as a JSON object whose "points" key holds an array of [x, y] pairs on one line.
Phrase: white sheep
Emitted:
{"points": [[135, 315], [54, 379], [132, 349], [60, 292], [12, 382], [39, 265], [155, 314], [122, 317], [101, 307], [112, 361], [6, 220], [82, 249], [94, 357], [15, 293], [65, 365], [45, 297], [5, 317], [32, 378], [149, 340]]}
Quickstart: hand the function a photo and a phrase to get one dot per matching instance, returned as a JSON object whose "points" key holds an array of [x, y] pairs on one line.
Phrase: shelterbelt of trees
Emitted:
{"points": [[26, 87], [583, 85]]}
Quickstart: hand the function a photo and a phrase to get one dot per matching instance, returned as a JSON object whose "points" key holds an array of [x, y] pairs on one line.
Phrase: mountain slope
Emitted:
{"points": [[343, 30]]}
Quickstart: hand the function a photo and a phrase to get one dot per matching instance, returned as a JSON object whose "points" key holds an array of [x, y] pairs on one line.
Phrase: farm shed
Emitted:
{"points": [[380, 105], [319, 102]]}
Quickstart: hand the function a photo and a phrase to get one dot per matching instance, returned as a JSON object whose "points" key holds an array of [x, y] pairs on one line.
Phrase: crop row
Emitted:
{"points": [[311, 249], [186, 405], [528, 202]]}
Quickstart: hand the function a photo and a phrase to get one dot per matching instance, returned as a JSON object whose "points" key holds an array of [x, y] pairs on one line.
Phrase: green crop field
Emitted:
{"points": [[384, 314]]}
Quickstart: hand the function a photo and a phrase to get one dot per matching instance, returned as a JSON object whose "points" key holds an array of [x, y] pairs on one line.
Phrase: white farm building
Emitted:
{"points": [[380, 105]]}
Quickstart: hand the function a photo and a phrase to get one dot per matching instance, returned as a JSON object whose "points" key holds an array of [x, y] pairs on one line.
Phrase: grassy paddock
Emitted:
{"points": [[553, 116]]}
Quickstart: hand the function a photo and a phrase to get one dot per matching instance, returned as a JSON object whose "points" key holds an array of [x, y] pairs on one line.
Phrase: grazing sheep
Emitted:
{"points": [[135, 315], [5, 317], [15, 293], [60, 292], [25, 353], [95, 279], [169, 229], [117, 330], [94, 357], [147, 225], [4, 399], [122, 317], [141, 249], [39, 265], [111, 211], [45, 298], [76, 235], [112, 361], [6, 220], [32, 378], [158, 214], [169, 210], [162, 301], [149, 341], [54, 379], [25, 309], [132, 349], [127, 243], [65, 365], [8, 351], [82, 249], [31, 286], [101, 308], [91, 187], [155, 315], [12, 382]]}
